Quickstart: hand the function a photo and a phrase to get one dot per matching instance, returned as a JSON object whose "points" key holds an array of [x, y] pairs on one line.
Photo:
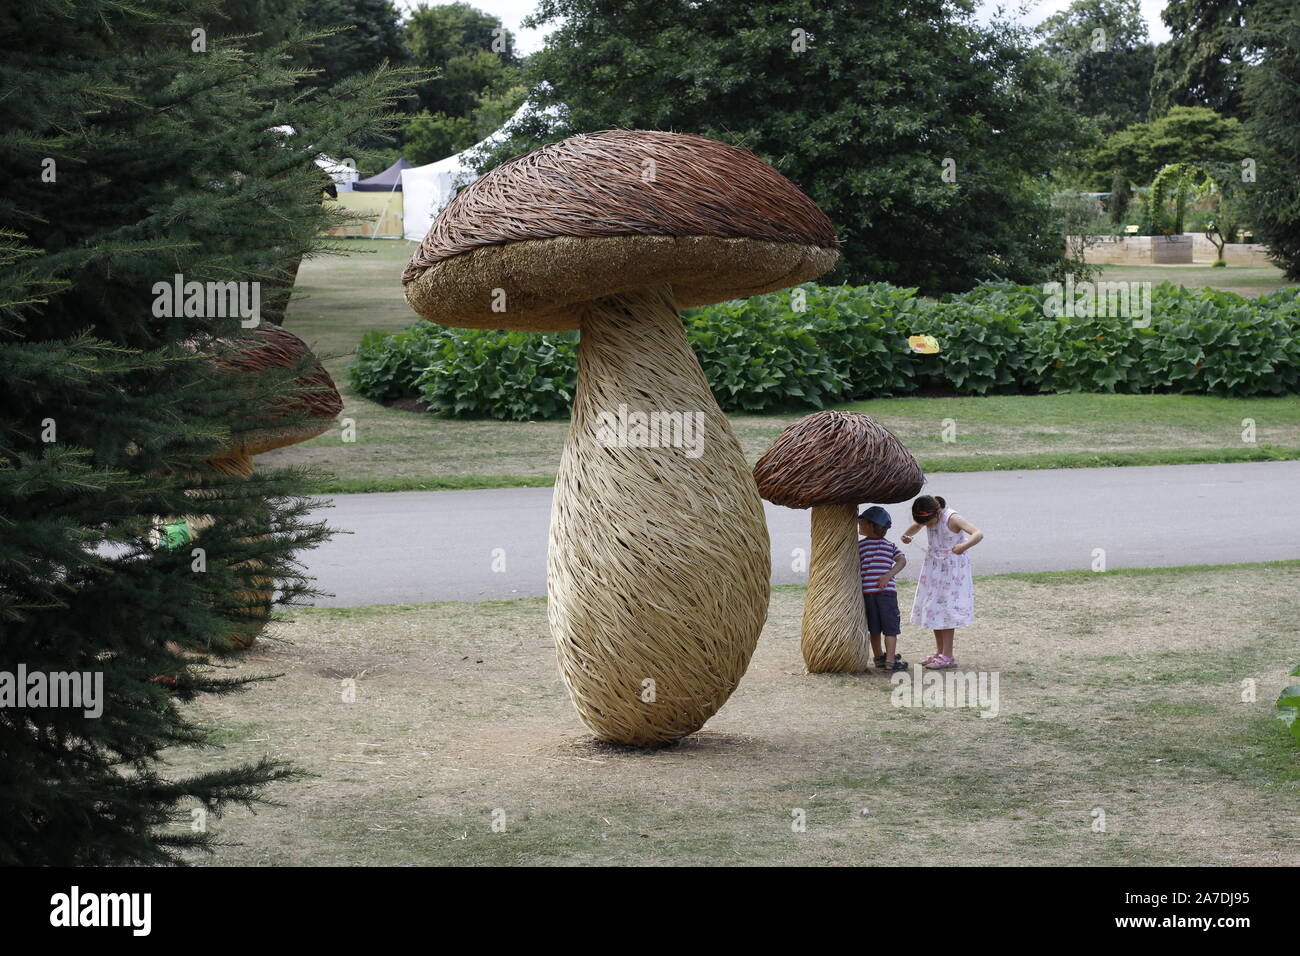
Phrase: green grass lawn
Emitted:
{"points": [[339, 299], [1243, 280], [1109, 703]]}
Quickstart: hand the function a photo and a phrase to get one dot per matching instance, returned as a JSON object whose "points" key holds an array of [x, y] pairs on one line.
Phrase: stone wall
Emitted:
{"points": [[1146, 250]]}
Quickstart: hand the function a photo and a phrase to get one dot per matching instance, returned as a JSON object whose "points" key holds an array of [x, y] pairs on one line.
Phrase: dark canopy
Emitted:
{"points": [[388, 180]]}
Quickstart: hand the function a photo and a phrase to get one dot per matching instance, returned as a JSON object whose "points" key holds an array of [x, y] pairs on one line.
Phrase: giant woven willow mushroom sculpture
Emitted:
{"points": [[309, 410], [831, 462], [659, 567]]}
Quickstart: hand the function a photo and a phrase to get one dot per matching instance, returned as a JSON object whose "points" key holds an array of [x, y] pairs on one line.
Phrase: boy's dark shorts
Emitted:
{"points": [[882, 613]]}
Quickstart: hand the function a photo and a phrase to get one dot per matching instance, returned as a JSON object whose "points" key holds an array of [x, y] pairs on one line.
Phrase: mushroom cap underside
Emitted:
{"points": [[543, 285], [262, 440]]}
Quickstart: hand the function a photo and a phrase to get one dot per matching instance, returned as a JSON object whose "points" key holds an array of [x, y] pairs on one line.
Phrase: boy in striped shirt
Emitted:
{"points": [[880, 561]]}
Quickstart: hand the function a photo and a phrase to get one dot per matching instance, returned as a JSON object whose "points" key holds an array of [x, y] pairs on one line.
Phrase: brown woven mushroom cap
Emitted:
{"points": [[837, 458], [604, 213], [271, 347]]}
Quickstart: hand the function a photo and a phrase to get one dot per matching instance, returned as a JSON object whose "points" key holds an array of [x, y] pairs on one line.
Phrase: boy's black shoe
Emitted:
{"points": [[898, 665], [882, 663]]}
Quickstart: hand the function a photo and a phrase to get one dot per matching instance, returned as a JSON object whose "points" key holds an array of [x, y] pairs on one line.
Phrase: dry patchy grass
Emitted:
{"points": [[1118, 691]]}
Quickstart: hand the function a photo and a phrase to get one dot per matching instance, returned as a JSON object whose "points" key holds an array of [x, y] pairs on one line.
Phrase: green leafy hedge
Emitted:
{"points": [[388, 364], [507, 375], [815, 345]]}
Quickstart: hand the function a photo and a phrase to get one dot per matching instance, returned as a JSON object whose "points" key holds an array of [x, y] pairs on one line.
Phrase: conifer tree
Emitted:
{"points": [[141, 150], [1273, 102]]}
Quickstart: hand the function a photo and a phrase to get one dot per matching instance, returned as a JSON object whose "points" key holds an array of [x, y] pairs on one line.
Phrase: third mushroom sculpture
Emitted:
{"points": [[658, 574], [308, 409], [831, 462]]}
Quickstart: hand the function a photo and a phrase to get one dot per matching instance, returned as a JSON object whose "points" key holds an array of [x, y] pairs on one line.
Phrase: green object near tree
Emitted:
{"points": [[262, 23], [1170, 191], [1120, 197], [1204, 61], [1223, 182], [427, 137], [175, 534], [371, 36], [471, 51]]}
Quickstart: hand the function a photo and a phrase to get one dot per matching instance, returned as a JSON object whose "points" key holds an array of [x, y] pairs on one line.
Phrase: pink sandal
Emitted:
{"points": [[931, 659], [942, 662]]}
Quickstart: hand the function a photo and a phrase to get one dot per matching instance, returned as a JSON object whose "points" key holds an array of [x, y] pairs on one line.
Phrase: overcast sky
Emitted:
{"points": [[1041, 10], [512, 12]]}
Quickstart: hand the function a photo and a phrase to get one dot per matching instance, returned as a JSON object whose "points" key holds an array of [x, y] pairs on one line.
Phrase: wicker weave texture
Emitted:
{"points": [[625, 183], [263, 348], [833, 636], [831, 462], [659, 562], [251, 608], [272, 347], [835, 457]]}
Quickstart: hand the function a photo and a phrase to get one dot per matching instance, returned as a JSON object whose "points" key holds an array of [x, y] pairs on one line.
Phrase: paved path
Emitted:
{"points": [[413, 547]]}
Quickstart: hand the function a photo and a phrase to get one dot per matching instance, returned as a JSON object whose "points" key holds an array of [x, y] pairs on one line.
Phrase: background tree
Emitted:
{"points": [[137, 153], [495, 109], [924, 135], [263, 24], [478, 79], [1120, 196], [373, 36], [427, 137], [1077, 216], [1186, 134], [471, 52], [1272, 97], [1172, 189], [1205, 60], [1223, 183], [1105, 58]]}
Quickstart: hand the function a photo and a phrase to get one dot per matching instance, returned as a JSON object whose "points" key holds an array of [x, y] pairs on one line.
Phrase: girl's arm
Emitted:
{"points": [[957, 523], [910, 533]]}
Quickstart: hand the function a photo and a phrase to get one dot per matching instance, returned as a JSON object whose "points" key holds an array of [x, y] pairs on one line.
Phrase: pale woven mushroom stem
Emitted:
{"points": [[659, 562], [257, 602], [834, 634]]}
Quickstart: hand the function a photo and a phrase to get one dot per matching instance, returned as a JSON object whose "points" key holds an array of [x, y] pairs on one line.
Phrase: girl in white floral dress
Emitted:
{"points": [[945, 593]]}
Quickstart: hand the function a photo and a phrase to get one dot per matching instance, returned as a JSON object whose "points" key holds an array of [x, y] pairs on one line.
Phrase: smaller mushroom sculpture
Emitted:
{"points": [[831, 462], [309, 410]]}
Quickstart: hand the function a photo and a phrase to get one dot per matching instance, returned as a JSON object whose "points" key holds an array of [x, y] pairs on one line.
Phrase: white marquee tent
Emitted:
{"points": [[426, 189], [343, 174]]}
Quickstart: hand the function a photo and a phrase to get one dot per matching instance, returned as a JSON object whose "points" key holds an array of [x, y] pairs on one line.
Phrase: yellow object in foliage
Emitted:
{"points": [[923, 344]]}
